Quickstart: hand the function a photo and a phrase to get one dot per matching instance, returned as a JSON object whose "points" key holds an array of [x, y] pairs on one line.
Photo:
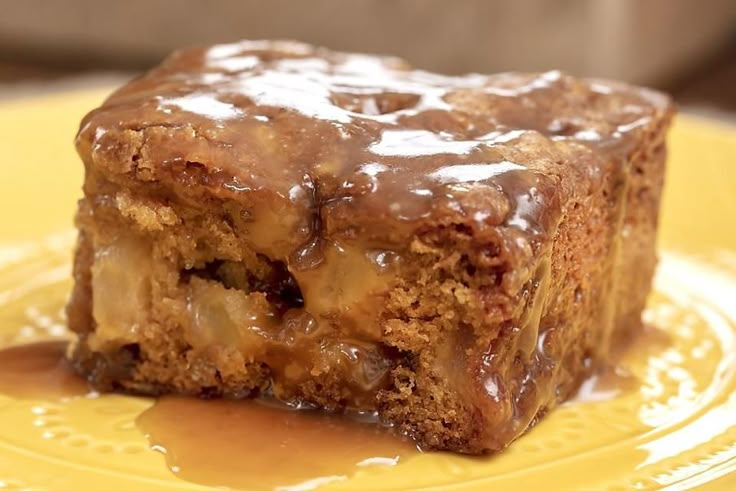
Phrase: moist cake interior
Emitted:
{"points": [[343, 232]]}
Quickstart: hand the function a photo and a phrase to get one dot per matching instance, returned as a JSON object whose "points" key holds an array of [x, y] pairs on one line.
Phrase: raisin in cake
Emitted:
{"points": [[341, 231]]}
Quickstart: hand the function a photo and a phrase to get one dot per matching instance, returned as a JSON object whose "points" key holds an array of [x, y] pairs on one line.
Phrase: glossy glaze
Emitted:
{"points": [[337, 162], [359, 141]]}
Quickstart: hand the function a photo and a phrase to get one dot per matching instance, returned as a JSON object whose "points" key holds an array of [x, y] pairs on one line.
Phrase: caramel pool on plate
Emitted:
{"points": [[38, 371], [244, 444]]}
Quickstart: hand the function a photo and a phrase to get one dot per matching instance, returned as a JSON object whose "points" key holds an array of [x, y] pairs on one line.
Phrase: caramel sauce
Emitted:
{"points": [[321, 158], [246, 444], [39, 371], [255, 445], [613, 379], [359, 142], [240, 444], [606, 383]]}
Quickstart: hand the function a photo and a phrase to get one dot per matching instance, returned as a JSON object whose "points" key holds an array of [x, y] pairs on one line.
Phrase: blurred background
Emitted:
{"points": [[687, 47]]}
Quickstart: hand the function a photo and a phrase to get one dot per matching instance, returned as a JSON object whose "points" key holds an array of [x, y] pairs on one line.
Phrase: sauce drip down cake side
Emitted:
{"points": [[341, 231]]}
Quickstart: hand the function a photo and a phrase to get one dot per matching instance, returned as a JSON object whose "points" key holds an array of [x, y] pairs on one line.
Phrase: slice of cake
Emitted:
{"points": [[341, 231]]}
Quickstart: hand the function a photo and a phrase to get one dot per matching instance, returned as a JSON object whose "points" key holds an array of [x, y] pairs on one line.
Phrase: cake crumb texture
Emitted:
{"points": [[340, 231]]}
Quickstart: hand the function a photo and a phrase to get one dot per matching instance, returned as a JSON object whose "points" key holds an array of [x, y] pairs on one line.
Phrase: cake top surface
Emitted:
{"points": [[365, 136]]}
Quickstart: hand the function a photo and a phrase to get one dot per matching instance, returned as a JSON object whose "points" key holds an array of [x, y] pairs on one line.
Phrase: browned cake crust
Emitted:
{"points": [[340, 231]]}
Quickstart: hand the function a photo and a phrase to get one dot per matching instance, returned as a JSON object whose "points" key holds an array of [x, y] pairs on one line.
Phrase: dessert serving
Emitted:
{"points": [[338, 231]]}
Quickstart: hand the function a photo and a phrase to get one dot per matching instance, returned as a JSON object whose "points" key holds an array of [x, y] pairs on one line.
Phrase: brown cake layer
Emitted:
{"points": [[340, 231]]}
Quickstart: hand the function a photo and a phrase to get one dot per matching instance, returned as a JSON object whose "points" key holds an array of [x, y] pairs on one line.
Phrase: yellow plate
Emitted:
{"points": [[676, 431]]}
